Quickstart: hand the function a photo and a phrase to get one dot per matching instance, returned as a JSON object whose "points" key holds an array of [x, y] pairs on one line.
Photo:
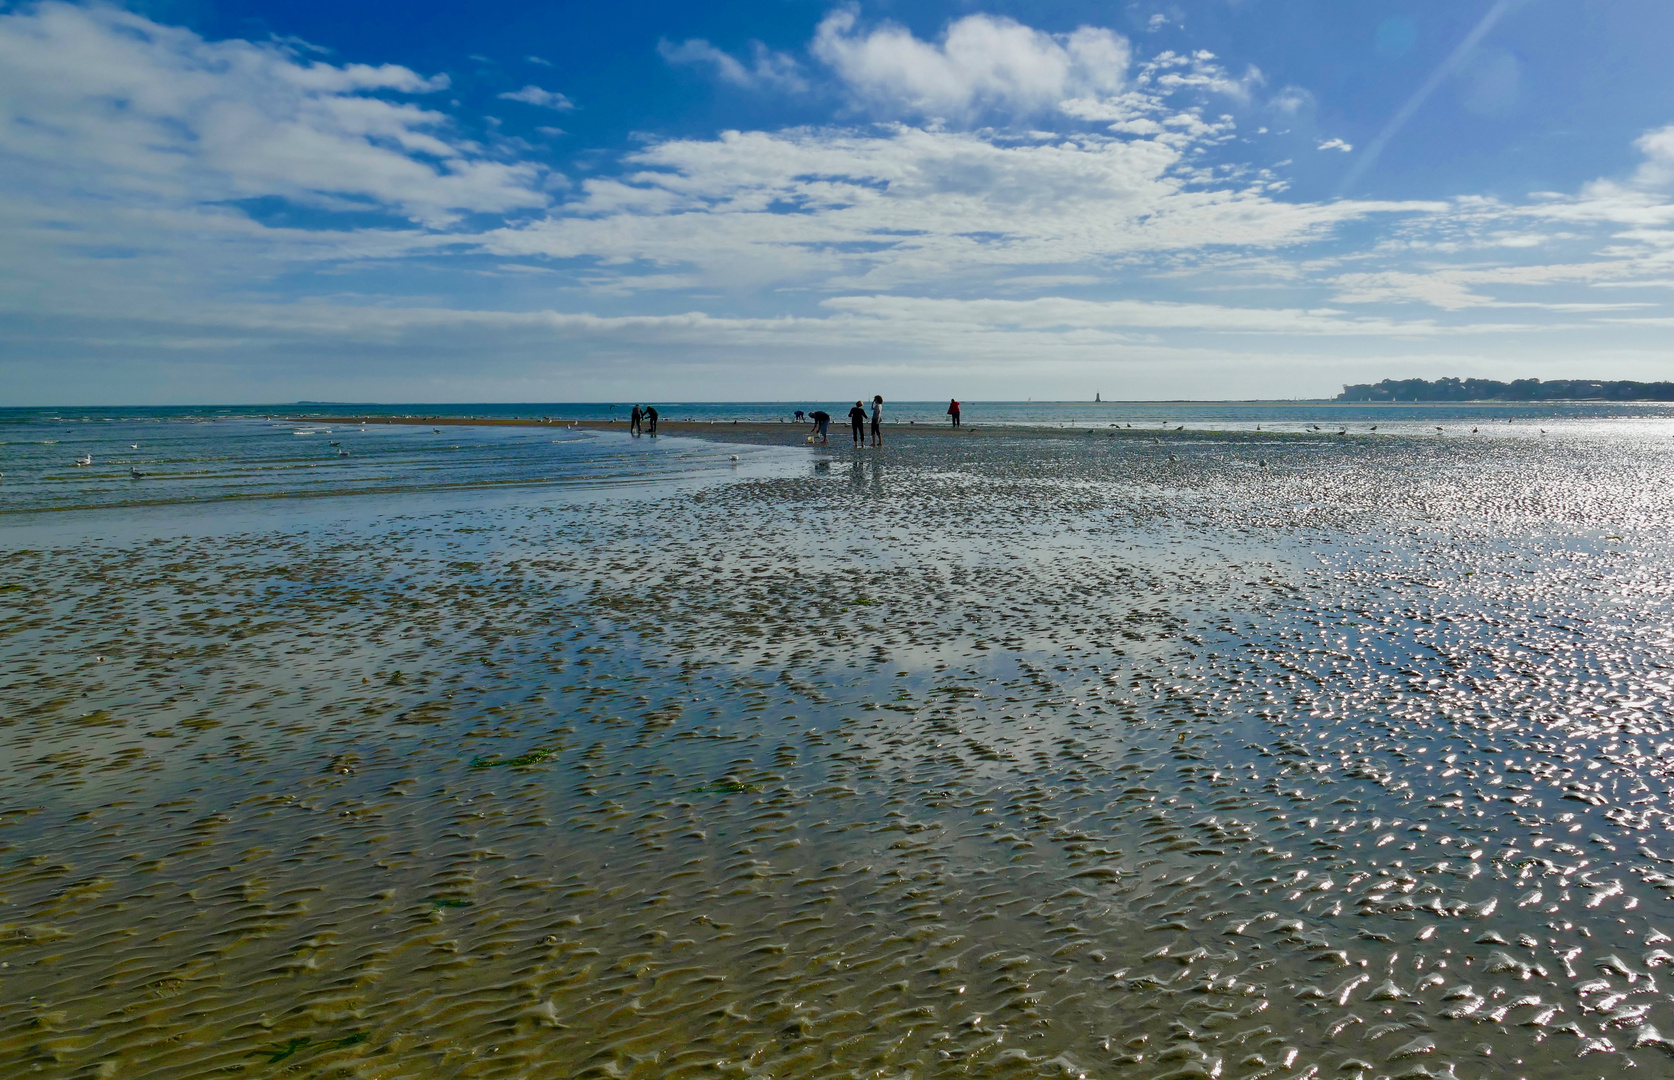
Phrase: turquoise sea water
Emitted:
{"points": [[198, 454]]}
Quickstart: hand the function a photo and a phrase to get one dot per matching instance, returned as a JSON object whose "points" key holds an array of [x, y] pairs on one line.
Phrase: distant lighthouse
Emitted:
{"points": [[1095, 398]]}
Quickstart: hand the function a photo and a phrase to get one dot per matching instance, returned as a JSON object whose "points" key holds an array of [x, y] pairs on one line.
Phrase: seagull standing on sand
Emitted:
{"points": [[85, 459]]}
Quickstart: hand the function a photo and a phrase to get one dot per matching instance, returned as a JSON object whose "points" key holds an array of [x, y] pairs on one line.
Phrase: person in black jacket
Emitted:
{"points": [[857, 424]]}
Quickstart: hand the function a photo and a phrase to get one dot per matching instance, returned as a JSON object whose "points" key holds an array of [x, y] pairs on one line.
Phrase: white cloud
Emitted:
{"points": [[129, 148], [1059, 313], [769, 70], [1172, 72], [981, 61], [545, 99], [1337, 144], [843, 209], [107, 103], [1658, 147]]}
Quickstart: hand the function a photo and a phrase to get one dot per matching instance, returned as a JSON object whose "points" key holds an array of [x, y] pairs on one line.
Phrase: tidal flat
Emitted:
{"points": [[1024, 754]]}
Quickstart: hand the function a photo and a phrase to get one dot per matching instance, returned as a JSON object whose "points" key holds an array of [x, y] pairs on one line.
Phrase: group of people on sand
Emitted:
{"points": [[857, 423], [858, 419], [643, 420]]}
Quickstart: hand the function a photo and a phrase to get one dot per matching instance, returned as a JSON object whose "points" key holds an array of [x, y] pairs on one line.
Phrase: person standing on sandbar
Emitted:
{"points": [[953, 411], [857, 424], [877, 419], [634, 419], [651, 420]]}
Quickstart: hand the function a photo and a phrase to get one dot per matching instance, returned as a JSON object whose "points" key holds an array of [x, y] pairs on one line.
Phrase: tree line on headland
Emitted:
{"points": [[1517, 390]]}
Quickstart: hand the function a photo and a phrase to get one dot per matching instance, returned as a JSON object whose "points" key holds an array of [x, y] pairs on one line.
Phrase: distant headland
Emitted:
{"points": [[1420, 390]]}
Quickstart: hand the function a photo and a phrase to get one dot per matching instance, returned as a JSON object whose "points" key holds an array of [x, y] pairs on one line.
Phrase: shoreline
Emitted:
{"points": [[758, 432]]}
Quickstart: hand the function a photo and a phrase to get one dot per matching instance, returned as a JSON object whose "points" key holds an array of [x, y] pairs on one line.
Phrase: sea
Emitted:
{"points": [[136, 457]]}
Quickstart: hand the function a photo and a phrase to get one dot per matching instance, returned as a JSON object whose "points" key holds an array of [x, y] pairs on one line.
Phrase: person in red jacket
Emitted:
{"points": [[953, 411]]}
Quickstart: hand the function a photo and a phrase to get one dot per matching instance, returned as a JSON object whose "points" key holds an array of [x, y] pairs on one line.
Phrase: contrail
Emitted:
{"points": [[1369, 156]]}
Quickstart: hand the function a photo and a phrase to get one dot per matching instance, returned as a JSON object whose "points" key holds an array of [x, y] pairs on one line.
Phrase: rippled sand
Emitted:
{"points": [[1004, 756]]}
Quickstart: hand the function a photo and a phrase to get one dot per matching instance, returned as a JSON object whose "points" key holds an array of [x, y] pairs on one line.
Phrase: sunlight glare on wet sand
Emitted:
{"points": [[1024, 754]]}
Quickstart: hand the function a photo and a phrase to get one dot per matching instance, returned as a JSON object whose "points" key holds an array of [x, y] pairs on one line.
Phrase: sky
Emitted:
{"points": [[250, 201]]}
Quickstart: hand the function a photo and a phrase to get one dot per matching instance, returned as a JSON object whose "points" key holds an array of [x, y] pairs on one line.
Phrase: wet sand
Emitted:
{"points": [[1025, 755]]}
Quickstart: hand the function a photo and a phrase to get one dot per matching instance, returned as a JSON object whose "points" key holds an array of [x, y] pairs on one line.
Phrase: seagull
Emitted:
{"points": [[334, 444], [135, 473], [1182, 427], [1315, 427], [436, 431], [1473, 431], [133, 446], [1438, 430], [1374, 427], [85, 459]]}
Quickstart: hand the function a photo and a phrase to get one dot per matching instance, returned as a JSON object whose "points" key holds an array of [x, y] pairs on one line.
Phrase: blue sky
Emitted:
{"points": [[1229, 198]]}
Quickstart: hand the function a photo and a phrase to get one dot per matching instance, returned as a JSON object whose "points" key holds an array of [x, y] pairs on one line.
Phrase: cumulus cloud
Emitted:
{"points": [[1337, 144], [767, 70], [980, 61], [545, 99], [101, 100], [1657, 170]]}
